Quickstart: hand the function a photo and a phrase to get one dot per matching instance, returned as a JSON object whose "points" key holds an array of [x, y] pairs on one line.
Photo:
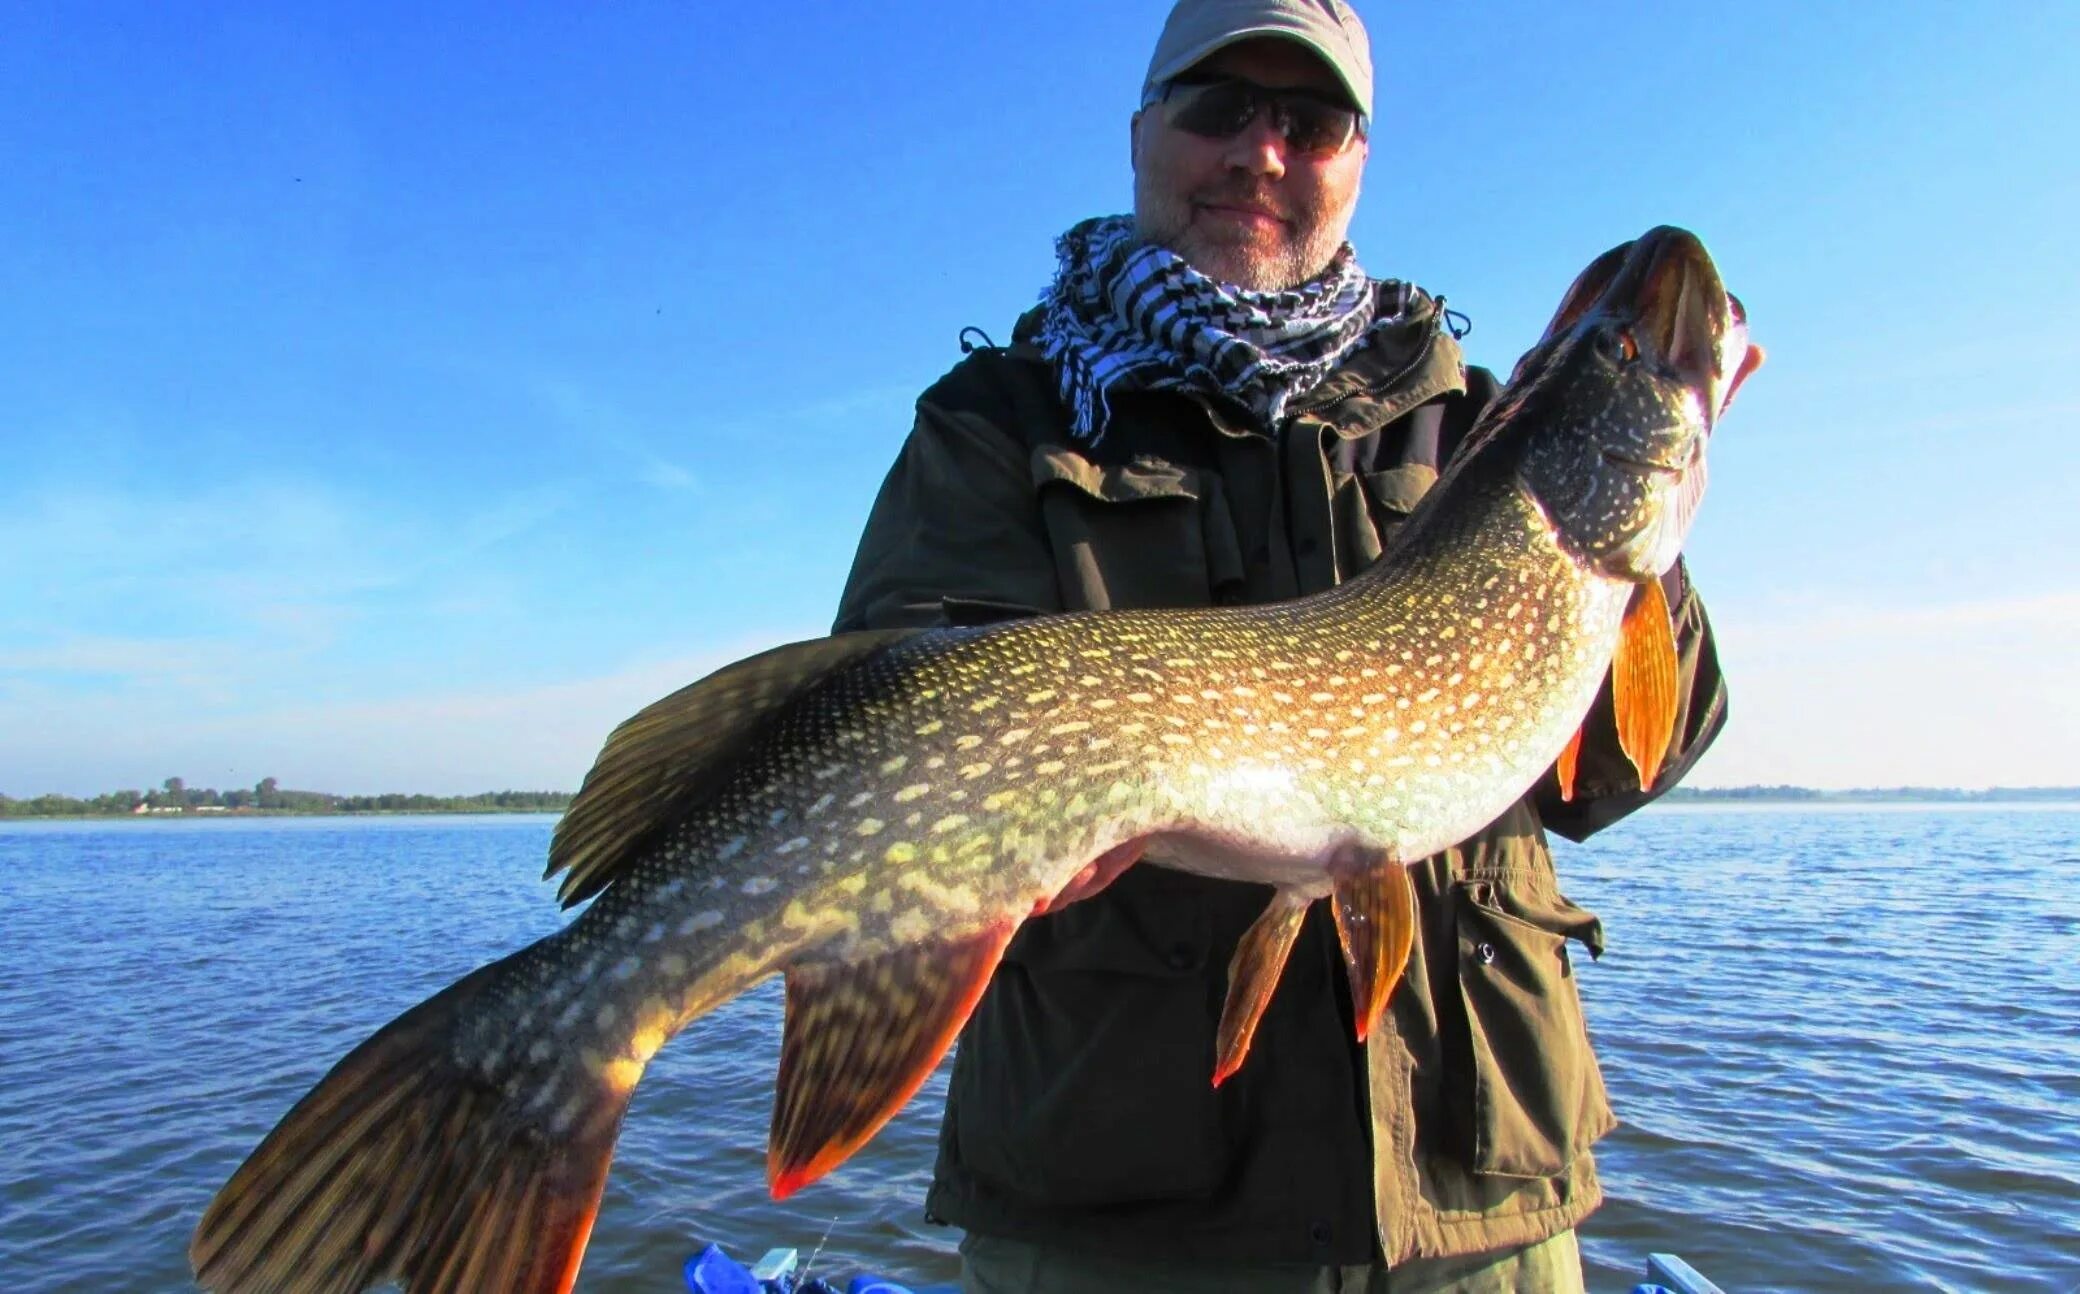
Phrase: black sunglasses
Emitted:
{"points": [[1224, 107]]}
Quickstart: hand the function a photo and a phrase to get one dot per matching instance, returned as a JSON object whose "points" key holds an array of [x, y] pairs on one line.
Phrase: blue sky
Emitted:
{"points": [[395, 397]]}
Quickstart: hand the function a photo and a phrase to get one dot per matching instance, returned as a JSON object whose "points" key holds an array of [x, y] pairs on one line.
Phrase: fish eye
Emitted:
{"points": [[1618, 345]]}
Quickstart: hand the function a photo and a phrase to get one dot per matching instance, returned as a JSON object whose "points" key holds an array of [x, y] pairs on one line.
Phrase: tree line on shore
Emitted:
{"points": [[269, 796]]}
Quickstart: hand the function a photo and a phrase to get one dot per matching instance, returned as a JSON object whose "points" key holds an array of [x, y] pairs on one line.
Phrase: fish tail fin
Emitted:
{"points": [[414, 1163]]}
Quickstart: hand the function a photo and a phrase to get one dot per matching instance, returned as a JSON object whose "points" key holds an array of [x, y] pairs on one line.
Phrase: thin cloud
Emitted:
{"points": [[540, 737], [1973, 693]]}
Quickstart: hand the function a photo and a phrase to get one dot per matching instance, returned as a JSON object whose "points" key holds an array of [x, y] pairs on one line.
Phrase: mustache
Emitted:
{"points": [[1247, 195]]}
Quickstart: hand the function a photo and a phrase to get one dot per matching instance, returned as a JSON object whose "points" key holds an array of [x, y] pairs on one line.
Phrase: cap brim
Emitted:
{"points": [[1197, 54]]}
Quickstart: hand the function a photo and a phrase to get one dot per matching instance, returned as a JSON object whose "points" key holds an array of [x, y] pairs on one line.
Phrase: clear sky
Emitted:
{"points": [[394, 397]]}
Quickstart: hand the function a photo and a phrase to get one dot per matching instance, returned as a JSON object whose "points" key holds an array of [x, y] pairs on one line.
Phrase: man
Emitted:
{"points": [[1214, 404]]}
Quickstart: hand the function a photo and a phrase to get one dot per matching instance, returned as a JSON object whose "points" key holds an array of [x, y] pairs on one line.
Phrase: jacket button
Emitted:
{"points": [[1182, 957], [1306, 546], [1486, 953], [1320, 1233]]}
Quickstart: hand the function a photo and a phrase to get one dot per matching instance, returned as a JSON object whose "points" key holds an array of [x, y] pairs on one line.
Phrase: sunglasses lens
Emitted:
{"points": [[1221, 110], [1224, 109], [1313, 127]]}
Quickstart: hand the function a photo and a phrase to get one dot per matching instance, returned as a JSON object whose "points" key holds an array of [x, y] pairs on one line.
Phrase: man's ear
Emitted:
{"points": [[1134, 141]]}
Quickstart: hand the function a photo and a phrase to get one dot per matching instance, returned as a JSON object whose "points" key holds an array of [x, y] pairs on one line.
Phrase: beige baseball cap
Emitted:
{"points": [[1197, 28]]}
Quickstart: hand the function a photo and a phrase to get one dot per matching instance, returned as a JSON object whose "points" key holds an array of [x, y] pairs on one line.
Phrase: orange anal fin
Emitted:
{"points": [[860, 1039], [1643, 682], [1564, 769], [1096, 875], [1252, 976], [1376, 923]]}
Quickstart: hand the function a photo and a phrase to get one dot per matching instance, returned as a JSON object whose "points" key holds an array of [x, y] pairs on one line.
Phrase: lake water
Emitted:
{"points": [[1845, 1045]]}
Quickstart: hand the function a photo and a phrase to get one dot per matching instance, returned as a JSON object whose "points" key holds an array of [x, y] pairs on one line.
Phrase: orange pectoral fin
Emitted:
{"points": [[860, 1039], [1252, 975], [1569, 760], [1376, 923], [1643, 682]]}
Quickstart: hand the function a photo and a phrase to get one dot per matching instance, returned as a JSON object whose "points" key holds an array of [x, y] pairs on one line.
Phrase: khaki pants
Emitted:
{"points": [[990, 1265]]}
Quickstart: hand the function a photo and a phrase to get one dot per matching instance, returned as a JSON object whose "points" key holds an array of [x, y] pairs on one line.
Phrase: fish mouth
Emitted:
{"points": [[1664, 286]]}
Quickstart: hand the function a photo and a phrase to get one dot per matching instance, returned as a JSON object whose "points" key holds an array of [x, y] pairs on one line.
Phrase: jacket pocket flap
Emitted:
{"points": [[1143, 478], [1399, 489], [1537, 1097]]}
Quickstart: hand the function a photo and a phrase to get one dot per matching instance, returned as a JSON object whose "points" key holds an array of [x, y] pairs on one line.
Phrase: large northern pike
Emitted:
{"points": [[873, 815]]}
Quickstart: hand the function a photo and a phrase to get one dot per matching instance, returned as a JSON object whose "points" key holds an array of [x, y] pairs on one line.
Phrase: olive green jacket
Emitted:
{"points": [[1081, 1110]]}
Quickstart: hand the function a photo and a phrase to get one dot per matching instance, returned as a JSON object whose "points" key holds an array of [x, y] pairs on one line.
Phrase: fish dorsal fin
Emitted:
{"points": [[1376, 923], [860, 1039], [664, 758], [1252, 975], [1643, 682]]}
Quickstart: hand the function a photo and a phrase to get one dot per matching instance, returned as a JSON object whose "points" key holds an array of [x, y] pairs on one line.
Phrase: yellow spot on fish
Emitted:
{"points": [[901, 852], [1044, 694], [894, 765], [1050, 768], [870, 826], [986, 703], [1063, 729], [950, 822], [930, 728], [913, 791], [1014, 736]]}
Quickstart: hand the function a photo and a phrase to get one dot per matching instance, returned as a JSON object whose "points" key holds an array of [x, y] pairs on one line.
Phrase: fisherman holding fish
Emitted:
{"points": [[1215, 405], [1149, 586]]}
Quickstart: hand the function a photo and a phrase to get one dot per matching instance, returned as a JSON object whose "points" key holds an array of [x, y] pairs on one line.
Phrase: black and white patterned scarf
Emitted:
{"points": [[1126, 315]]}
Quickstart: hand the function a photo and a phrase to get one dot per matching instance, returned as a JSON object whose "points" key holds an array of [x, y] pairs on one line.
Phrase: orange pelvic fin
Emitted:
{"points": [[1570, 759], [1376, 923], [403, 1166], [1643, 682], [1096, 875], [1252, 975], [860, 1039]]}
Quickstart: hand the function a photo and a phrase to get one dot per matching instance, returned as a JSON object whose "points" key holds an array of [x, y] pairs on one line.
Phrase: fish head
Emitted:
{"points": [[1621, 395]]}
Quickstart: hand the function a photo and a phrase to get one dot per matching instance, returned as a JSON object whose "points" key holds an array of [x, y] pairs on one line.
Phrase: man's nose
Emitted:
{"points": [[1260, 148]]}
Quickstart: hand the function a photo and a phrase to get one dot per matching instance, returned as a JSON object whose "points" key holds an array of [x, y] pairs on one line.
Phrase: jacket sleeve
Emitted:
{"points": [[955, 535], [1606, 786]]}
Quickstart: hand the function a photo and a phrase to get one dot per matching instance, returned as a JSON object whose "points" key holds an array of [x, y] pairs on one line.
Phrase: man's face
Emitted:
{"points": [[1247, 210]]}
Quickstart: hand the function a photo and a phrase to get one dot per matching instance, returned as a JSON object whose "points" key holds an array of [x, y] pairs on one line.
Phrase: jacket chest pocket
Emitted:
{"points": [[1536, 1099], [1392, 494], [1146, 533]]}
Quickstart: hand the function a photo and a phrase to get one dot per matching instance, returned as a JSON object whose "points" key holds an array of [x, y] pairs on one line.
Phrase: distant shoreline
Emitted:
{"points": [[54, 808], [1871, 795], [246, 815]]}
